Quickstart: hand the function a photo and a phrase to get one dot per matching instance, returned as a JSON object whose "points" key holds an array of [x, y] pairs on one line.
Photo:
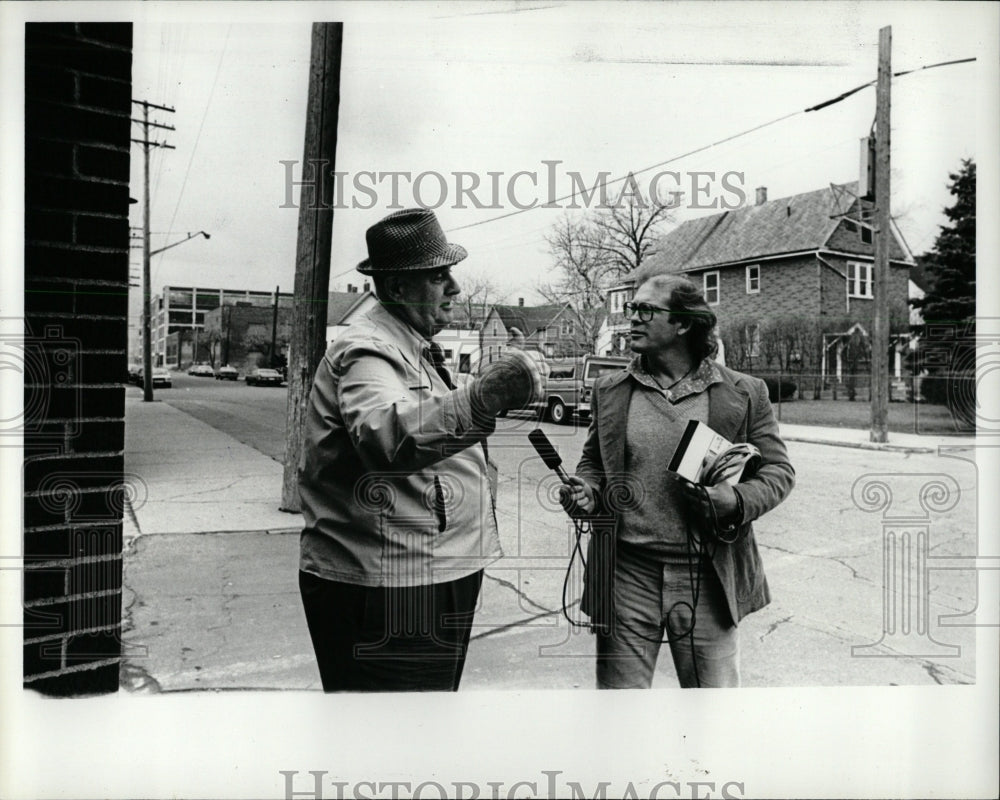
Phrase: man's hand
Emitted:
{"points": [[577, 498], [722, 496], [514, 381]]}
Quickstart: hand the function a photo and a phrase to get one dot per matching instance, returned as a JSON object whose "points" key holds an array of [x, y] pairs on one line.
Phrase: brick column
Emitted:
{"points": [[78, 92]]}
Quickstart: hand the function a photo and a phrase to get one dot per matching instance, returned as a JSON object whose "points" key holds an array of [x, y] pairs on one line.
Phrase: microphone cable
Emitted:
{"points": [[700, 556]]}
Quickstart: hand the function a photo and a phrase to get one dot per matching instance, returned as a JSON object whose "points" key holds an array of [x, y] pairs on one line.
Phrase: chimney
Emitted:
{"points": [[520, 302], [366, 287], [761, 195]]}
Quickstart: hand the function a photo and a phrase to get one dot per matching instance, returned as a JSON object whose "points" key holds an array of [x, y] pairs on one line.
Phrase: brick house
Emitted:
{"points": [[788, 264]]}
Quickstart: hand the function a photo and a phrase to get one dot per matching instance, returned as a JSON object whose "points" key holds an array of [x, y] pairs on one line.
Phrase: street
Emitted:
{"points": [[823, 553]]}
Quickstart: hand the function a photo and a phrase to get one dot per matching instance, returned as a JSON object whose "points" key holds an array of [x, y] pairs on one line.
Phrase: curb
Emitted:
{"points": [[900, 448]]}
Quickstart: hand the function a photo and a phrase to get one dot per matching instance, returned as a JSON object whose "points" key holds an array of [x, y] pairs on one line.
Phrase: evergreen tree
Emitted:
{"points": [[949, 305], [951, 265]]}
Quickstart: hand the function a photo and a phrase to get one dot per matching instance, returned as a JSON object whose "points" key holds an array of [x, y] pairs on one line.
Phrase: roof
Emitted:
{"points": [[801, 222], [340, 304], [528, 319]]}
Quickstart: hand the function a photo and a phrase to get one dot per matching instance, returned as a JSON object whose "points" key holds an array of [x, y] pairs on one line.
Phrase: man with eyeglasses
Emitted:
{"points": [[667, 561]]}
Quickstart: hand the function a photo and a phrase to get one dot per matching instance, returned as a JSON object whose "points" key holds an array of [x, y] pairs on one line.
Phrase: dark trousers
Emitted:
{"points": [[390, 638]]}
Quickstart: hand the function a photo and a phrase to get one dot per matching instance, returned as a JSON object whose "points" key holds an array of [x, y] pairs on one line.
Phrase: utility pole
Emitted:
{"points": [[883, 238], [147, 358], [312, 259], [274, 327]]}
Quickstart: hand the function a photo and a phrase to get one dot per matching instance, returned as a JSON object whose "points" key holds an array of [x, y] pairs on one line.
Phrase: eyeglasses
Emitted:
{"points": [[644, 311]]}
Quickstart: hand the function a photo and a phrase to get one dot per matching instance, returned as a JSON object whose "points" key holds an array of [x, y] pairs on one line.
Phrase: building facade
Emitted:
{"points": [[182, 310], [791, 280]]}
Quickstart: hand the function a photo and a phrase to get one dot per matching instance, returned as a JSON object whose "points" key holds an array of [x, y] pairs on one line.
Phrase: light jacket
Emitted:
{"points": [[394, 482], [738, 409]]}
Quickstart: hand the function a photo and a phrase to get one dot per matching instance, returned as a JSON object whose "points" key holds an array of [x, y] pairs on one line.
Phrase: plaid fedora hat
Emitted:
{"points": [[410, 239]]}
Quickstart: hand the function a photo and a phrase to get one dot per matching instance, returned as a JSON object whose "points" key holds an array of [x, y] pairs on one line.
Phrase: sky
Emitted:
{"points": [[596, 88]]}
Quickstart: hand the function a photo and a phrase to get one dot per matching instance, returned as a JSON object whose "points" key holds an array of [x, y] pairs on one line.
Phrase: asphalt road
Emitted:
{"points": [[256, 416], [824, 550]]}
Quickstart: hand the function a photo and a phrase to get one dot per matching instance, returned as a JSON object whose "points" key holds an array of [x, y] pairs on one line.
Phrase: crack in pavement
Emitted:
{"points": [[511, 625], [836, 559], [938, 673], [774, 626], [520, 594]]}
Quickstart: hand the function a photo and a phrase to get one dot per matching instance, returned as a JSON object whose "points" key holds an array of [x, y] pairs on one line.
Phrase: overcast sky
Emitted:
{"points": [[505, 88]]}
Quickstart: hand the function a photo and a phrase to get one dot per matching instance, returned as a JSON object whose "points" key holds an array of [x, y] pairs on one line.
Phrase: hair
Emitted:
{"points": [[686, 301]]}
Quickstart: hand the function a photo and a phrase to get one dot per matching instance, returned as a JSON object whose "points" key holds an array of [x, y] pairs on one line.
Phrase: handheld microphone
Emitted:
{"points": [[548, 453]]}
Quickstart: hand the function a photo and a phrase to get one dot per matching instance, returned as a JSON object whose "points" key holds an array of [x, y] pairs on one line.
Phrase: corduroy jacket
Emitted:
{"points": [[739, 410], [395, 487]]}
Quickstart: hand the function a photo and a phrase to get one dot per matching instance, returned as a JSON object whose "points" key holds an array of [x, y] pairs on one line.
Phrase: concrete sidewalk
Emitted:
{"points": [[211, 597], [859, 438]]}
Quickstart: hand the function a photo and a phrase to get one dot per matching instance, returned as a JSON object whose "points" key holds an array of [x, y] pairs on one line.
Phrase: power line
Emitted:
{"points": [[817, 107], [204, 116]]}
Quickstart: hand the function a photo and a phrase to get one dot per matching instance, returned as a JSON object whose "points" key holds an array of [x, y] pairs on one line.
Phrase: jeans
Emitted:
{"points": [[389, 638], [653, 601]]}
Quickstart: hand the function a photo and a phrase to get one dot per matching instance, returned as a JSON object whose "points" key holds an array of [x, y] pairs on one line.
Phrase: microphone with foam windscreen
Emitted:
{"points": [[548, 453]]}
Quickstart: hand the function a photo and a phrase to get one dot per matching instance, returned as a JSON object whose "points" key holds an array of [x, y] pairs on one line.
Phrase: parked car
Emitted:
{"points": [[161, 377], [569, 384], [264, 377], [134, 371], [226, 373], [201, 370]]}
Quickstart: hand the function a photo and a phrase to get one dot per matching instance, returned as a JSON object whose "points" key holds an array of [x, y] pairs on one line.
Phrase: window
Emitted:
{"points": [[859, 279], [495, 332], [448, 354], [617, 299], [711, 287], [753, 279], [866, 235], [567, 329]]}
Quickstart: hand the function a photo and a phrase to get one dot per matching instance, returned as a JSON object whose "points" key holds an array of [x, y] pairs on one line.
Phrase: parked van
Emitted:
{"points": [[570, 382]]}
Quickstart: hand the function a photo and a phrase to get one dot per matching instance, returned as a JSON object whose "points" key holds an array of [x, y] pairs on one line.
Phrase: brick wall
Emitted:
{"points": [[77, 108], [796, 288]]}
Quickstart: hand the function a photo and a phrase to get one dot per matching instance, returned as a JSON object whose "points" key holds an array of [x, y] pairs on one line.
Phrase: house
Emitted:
{"points": [[552, 329], [342, 308], [797, 262]]}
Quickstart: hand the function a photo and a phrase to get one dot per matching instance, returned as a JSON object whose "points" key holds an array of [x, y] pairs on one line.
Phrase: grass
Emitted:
{"points": [[903, 417]]}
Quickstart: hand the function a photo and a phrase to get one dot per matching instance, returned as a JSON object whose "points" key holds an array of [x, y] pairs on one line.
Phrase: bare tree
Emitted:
{"points": [[628, 232], [593, 253], [582, 269], [478, 294]]}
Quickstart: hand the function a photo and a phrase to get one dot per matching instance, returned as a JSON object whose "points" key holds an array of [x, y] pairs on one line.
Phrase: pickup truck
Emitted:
{"points": [[570, 383]]}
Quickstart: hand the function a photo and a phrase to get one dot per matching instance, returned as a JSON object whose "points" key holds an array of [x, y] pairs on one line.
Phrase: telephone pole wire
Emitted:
{"points": [[147, 358]]}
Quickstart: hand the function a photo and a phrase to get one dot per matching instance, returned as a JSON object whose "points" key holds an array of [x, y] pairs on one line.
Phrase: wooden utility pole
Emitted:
{"points": [[883, 238], [312, 260], [147, 358], [274, 328]]}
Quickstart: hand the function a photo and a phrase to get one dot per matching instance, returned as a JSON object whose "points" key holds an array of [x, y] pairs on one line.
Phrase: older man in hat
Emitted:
{"points": [[396, 484]]}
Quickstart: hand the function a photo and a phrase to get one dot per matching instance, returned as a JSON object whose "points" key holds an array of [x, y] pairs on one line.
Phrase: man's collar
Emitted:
{"points": [[405, 332], [698, 381]]}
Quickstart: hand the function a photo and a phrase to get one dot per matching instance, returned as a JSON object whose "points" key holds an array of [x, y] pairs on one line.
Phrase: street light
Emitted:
{"points": [[147, 366], [187, 238]]}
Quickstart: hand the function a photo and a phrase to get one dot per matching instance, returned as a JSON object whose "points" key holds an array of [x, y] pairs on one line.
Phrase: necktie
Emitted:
{"points": [[435, 355]]}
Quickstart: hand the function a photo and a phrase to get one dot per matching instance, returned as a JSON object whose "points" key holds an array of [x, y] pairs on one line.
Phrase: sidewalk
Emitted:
{"points": [[858, 437], [211, 597]]}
